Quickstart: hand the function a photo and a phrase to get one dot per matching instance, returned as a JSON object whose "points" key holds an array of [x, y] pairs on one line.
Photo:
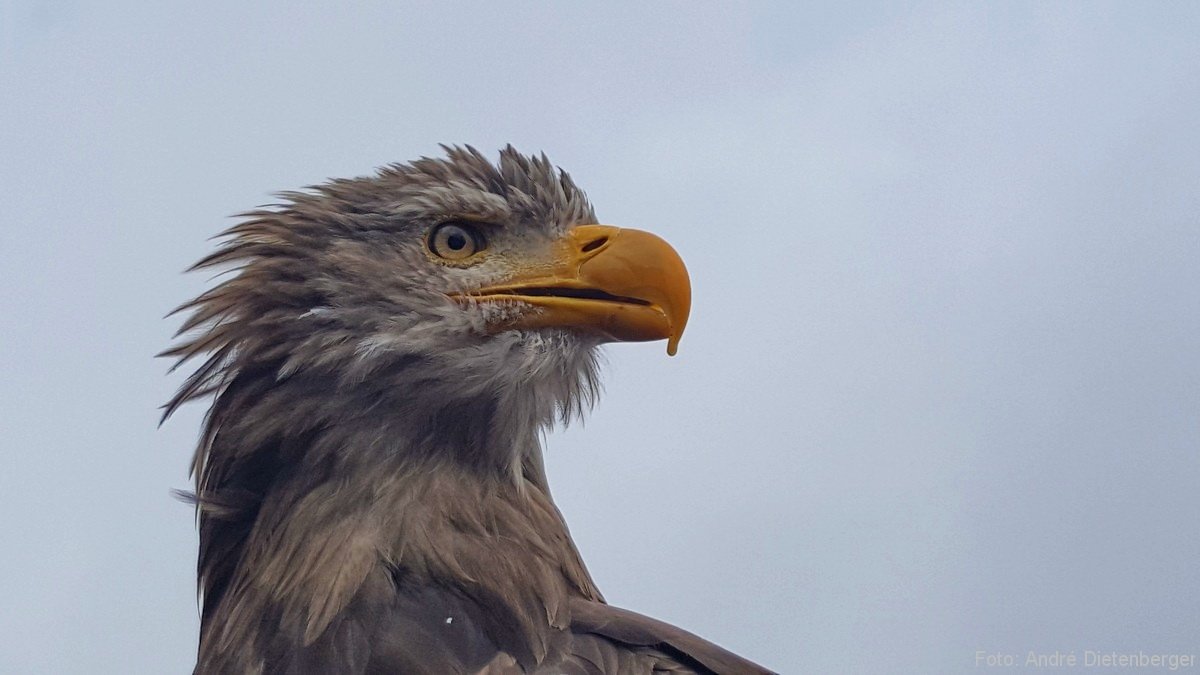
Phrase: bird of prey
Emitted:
{"points": [[382, 358]]}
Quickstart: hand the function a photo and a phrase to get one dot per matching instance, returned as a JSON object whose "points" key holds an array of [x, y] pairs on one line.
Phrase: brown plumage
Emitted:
{"points": [[382, 362]]}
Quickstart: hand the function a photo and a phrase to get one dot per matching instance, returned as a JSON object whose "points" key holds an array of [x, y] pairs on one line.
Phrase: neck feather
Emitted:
{"points": [[300, 501]]}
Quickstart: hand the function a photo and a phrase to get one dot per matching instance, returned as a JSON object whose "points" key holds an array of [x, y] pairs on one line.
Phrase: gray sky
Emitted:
{"points": [[941, 388]]}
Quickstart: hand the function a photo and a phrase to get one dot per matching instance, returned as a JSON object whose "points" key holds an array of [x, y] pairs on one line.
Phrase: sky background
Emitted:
{"points": [[940, 392]]}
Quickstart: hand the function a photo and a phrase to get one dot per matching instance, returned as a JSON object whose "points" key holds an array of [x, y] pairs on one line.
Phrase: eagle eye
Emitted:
{"points": [[455, 241]]}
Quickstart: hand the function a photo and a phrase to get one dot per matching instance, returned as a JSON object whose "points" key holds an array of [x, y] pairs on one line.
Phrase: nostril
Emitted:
{"points": [[595, 244]]}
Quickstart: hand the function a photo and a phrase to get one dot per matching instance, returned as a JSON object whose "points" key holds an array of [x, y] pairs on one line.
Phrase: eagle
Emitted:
{"points": [[382, 357]]}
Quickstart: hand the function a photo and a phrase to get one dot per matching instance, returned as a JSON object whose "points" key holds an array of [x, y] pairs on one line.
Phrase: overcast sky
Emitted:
{"points": [[940, 392]]}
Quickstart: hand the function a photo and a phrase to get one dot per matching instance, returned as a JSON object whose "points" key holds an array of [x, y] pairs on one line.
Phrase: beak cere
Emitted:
{"points": [[626, 285]]}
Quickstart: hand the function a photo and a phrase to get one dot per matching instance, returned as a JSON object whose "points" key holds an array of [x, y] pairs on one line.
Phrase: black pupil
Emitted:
{"points": [[456, 241]]}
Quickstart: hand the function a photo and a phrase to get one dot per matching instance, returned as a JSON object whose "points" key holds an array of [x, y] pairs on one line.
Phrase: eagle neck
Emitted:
{"points": [[337, 499]]}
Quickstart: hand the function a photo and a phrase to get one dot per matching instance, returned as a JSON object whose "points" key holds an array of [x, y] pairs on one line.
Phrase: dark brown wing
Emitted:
{"points": [[634, 633]]}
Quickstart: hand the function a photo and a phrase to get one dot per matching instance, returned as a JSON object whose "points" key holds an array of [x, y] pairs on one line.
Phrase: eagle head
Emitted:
{"points": [[463, 296]]}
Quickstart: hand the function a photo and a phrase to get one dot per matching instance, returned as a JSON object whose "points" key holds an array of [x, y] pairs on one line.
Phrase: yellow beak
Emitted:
{"points": [[626, 285]]}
